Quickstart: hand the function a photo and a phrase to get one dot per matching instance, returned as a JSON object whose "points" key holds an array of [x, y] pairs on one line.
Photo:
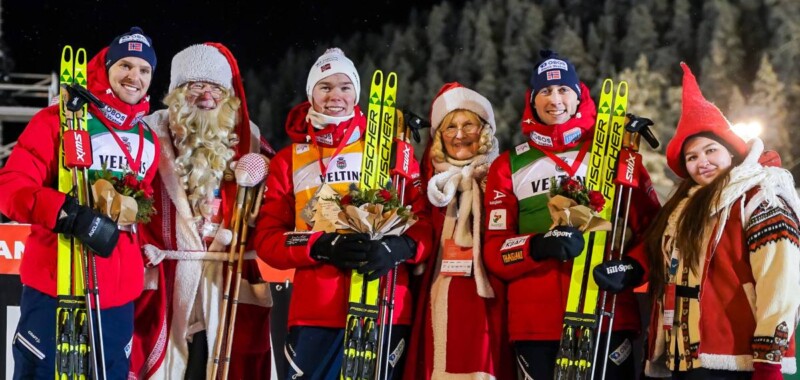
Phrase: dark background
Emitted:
{"points": [[257, 32]]}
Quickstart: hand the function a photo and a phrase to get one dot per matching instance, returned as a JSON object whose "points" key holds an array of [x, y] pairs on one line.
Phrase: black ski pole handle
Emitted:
{"points": [[641, 125]]}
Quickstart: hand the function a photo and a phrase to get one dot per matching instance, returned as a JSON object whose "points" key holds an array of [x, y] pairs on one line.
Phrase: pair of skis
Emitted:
{"points": [[365, 334], [614, 162], [78, 319]]}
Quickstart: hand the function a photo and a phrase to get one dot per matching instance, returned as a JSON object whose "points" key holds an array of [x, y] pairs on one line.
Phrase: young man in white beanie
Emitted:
{"points": [[205, 129], [328, 141], [558, 121]]}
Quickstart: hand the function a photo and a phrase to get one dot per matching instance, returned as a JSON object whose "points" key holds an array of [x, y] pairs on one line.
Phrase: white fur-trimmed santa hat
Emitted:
{"points": [[200, 63], [333, 61], [453, 96]]}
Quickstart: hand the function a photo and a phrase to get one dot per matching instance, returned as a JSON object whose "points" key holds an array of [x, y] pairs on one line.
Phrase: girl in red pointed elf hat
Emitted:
{"points": [[722, 255]]}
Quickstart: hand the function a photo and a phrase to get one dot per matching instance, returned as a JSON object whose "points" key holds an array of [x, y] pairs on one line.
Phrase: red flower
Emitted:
{"points": [[347, 199], [571, 185], [596, 201], [130, 181], [385, 195], [148, 191]]}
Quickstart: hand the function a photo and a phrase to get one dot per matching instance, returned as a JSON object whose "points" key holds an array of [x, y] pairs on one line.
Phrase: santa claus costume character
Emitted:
{"points": [[558, 120], [459, 326], [119, 76], [722, 256], [204, 130], [328, 140]]}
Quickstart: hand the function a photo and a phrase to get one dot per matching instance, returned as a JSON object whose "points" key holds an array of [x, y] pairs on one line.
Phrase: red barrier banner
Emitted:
{"points": [[12, 244]]}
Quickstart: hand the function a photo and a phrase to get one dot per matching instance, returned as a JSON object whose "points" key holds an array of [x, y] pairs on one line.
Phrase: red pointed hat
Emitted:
{"points": [[698, 115]]}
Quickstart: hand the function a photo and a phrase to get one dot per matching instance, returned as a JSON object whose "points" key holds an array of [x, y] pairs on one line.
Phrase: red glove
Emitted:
{"points": [[767, 371]]}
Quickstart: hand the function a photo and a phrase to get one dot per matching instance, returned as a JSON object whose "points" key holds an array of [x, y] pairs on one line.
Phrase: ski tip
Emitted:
{"points": [[80, 56], [391, 80], [622, 88], [608, 86], [377, 78], [66, 53]]}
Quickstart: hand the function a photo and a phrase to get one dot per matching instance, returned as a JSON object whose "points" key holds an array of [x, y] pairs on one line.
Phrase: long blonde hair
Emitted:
{"points": [[204, 141], [438, 153]]}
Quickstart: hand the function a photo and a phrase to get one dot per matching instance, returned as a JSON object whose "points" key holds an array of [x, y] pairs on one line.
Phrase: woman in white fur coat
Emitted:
{"points": [[722, 255], [459, 328]]}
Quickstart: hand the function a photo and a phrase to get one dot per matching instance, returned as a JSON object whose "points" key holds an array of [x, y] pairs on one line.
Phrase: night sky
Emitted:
{"points": [[256, 31]]}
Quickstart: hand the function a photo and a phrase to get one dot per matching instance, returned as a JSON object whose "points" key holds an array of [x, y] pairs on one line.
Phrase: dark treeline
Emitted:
{"points": [[744, 52]]}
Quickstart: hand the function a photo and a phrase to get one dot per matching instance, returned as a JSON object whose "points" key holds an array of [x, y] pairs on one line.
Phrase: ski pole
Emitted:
{"points": [[627, 176]]}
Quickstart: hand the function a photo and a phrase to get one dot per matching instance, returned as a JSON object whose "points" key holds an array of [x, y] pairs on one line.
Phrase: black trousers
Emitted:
{"points": [[537, 359]]}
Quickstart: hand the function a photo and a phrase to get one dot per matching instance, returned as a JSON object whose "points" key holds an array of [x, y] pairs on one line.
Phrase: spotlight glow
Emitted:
{"points": [[748, 129]]}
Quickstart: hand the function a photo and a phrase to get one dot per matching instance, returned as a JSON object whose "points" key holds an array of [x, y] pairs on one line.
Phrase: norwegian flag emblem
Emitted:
{"points": [[325, 67], [134, 46], [553, 75]]}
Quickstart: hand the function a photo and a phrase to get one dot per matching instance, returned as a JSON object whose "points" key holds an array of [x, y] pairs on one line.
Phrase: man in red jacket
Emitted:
{"points": [[119, 76], [328, 141], [558, 120]]}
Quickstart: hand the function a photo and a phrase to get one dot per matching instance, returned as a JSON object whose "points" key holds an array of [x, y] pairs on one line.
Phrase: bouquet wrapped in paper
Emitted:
{"points": [[124, 200], [377, 212], [571, 204]]}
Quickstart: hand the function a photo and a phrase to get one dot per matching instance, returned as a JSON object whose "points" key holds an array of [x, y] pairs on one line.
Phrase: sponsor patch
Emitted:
{"points": [[499, 194], [294, 239], [514, 242], [325, 139], [497, 219], [621, 353], [134, 37], [513, 257], [134, 46], [522, 148], [552, 64], [395, 356], [301, 148], [572, 135], [553, 75], [541, 139]]}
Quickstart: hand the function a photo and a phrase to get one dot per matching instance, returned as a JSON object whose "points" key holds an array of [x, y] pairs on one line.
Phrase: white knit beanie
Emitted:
{"points": [[453, 96], [200, 63], [333, 61]]}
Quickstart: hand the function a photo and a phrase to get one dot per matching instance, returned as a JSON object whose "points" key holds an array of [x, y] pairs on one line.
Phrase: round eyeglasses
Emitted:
{"points": [[200, 88], [467, 129]]}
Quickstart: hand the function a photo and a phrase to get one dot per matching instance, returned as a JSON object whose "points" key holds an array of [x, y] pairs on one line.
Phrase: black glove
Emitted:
{"points": [[346, 251], [95, 230], [386, 254], [560, 243], [616, 275]]}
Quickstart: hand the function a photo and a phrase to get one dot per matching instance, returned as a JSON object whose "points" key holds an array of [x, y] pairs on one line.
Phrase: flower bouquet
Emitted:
{"points": [[377, 212], [572, 204], [124, 200]]}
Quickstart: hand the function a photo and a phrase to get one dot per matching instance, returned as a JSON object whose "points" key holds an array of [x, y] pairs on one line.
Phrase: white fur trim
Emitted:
{"points": [[200, 63], [333, 61], [727, 362], [461, 98], [444, 375]]}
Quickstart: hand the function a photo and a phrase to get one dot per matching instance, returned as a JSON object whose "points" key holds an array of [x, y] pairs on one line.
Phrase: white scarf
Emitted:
{"points": [[464, 177], [321, 120]]}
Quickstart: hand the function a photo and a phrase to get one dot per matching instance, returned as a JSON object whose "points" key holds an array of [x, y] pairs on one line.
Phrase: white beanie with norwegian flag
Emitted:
{"points": [[333, 61], [453, 96]]}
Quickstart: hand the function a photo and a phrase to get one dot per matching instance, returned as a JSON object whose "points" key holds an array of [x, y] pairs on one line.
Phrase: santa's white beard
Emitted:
{"points": [[203, 140]]}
